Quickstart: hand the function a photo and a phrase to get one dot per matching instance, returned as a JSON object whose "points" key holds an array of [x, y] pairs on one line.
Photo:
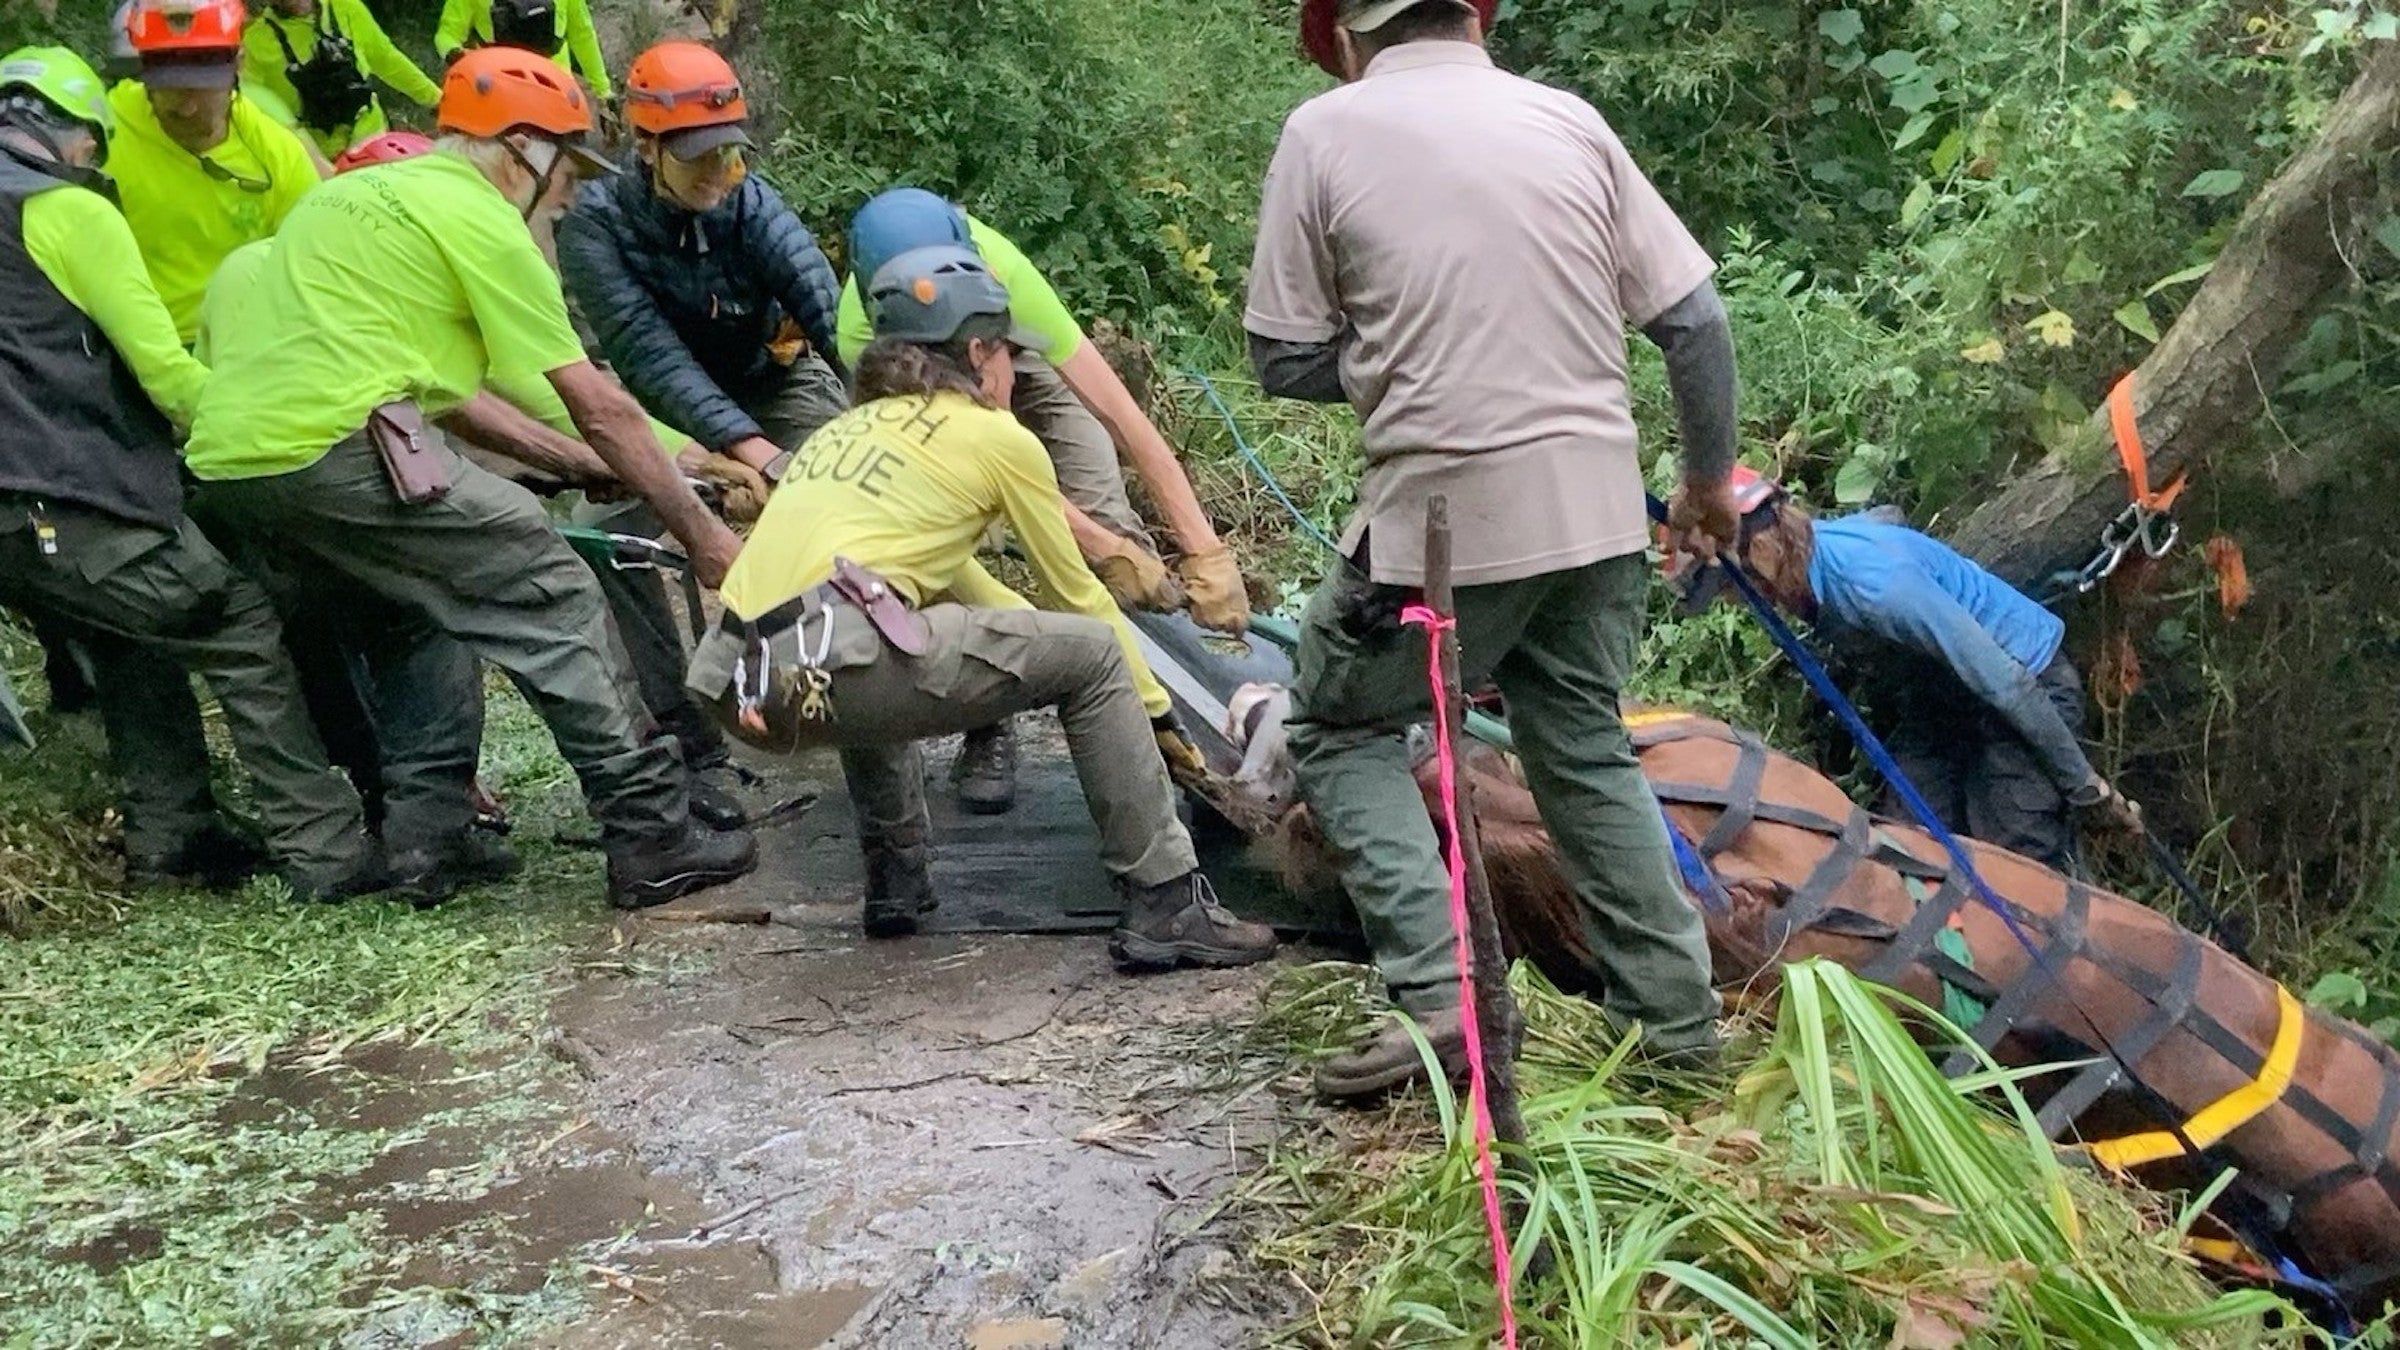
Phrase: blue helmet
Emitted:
{"points": [[896, 221]]}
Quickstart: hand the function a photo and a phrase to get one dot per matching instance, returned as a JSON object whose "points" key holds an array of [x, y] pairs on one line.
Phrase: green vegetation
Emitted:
{"points": [[1846, 1194]]}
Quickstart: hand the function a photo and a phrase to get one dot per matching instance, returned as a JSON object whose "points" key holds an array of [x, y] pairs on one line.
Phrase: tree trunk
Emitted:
{"points": [[2206, 382]]}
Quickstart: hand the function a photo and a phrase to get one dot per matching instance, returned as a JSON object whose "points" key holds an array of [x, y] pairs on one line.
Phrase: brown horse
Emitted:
{"points": [[2176, 1060]]}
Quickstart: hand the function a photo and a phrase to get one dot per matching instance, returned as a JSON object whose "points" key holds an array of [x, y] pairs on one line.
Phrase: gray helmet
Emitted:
{"points": [[937, 293]]}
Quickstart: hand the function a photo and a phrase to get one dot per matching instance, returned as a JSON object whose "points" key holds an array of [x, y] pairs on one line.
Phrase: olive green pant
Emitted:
{"points": [[1089, 473], [148, 595], [1560, 646], [790, 402], [980, 665], [485, 566]]}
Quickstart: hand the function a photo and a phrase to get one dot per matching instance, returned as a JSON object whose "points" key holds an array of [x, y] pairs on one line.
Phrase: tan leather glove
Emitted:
{"points": [[1136, 579], [1184, 760], [1213, 581], [741, 492]]}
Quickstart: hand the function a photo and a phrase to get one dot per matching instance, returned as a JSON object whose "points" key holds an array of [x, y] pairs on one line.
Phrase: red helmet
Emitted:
{"points": [[195, 27], [1319, 18], [382, 149]]}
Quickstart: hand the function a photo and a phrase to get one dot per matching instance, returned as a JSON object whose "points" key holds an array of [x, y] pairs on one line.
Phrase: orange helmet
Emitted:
{"points": [[492, 91], [687, 94], [193, 27], [382, 149]]}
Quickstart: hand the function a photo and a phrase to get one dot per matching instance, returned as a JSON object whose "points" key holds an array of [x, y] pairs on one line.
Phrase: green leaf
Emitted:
{"points": [[1913, 130], [1919, 197], [1860, 475], [2191, 273], [2338, 990], [2134, 317], [1899, 63], [1842, 26], [2380, 28], [1915, 91], [2388, 234], [2214, 183], [1953, 148]]}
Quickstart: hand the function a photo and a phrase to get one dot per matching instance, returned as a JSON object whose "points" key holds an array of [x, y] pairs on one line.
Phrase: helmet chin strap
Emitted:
{"points": [[542, 177]]}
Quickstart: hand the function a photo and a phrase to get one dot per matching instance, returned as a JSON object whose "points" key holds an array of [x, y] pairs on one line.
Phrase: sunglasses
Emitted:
{"points": [[713, 96], [256, 187]]}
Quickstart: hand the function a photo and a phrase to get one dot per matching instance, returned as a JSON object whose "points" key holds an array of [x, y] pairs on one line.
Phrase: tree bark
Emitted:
{"points": [[2305, 235]]}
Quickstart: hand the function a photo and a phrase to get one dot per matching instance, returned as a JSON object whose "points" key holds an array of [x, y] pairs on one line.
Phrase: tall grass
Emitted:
{"points": [[1843, 1193]]}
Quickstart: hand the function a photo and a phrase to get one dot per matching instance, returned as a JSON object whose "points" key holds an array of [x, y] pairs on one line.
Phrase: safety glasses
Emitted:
{"points": [[707, 96], [256, 187]]}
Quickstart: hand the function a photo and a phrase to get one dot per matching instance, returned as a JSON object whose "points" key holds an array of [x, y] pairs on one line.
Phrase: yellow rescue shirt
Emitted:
{"points": [[188, 211], [80, 242], [906, 487]]}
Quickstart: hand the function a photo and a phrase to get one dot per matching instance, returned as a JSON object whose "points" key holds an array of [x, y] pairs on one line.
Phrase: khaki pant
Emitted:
{"points": [[1089, 472], [1561, 647], [153, 596], [485, 566], [980, 665], [790, 402]]}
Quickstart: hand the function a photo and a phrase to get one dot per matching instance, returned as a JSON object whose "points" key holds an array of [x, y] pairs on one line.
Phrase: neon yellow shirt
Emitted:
{"points": [[906, 487], [187, 219], [1032, 304], [415, 280], [578, 39], [263, 64], [81, 243], [531, 394]]}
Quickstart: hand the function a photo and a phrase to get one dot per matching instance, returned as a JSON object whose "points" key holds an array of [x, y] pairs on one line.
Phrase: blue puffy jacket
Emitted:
{"points": [[684, 303]]}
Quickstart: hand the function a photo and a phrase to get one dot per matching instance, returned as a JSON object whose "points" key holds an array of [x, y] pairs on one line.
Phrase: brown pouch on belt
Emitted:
{"points": [[901, 626], [411, 458]]}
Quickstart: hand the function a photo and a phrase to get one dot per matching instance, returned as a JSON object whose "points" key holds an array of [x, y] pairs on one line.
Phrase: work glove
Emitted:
{"points": [[1701, 521], [1184, 760], [741, 492], [1213, 583], [2111, 809], [1136, 579]]}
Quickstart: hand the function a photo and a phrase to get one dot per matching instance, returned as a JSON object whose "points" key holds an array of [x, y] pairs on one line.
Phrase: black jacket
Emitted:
{"points": [[685, 303]]}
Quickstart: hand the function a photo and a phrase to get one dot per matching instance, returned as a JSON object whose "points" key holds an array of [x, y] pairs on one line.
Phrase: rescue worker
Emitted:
{"points": [[320, 56], [831, 633], [559, 29], [201, 169], [124, 64], [1457, 252], [1072, 399], [688, 268], [92, 528], [413, 286], [1978, 701]]}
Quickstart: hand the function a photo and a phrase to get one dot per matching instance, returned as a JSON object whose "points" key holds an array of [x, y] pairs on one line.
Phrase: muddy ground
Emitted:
{"points": [[780, 1134]]}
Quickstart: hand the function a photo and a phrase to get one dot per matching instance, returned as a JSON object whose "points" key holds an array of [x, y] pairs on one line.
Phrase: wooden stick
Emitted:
{"points": [[1495, 1007]]}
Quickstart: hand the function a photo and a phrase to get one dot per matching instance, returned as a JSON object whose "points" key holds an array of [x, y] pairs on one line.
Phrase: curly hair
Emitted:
{"points": [[895, 368]]}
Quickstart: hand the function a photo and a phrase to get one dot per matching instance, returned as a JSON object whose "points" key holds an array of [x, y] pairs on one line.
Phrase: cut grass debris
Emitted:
{"points": [[1841, 1192]]}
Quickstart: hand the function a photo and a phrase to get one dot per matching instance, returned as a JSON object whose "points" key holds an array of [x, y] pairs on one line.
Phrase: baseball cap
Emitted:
{"points": [[1365, 16], [193, 70], [693, 142]]}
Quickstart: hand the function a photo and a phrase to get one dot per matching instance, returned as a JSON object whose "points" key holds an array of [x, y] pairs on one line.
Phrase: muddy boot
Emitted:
{"points": [[713, 802], [1180, 923], [370, 875], [899, 888], [986, 770], [653, 871], [215, 858], [427, 876], [1390, 1059]]}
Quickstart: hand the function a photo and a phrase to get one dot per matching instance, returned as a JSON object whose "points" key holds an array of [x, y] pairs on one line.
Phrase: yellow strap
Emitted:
{"points": [[1652, 717], [2227, 1113]]}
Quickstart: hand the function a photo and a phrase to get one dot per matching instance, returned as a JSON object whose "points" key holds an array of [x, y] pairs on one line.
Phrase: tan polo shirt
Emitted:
{"points": [[1478, 243]]}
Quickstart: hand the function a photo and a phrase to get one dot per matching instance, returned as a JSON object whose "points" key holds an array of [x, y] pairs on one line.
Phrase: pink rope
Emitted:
{"points": [[1434, 624]]}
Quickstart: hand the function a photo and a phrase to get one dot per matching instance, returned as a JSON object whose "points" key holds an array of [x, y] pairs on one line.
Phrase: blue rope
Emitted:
{"points": [[1208, 389]]}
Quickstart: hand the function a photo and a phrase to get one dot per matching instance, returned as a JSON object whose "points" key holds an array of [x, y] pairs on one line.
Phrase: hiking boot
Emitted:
{"points": [[215, 858], [986, 770], [1389, 1059], [425, 877], [899, 889], [653, 871], [367, 876], [1180, 923], [713, 802]]}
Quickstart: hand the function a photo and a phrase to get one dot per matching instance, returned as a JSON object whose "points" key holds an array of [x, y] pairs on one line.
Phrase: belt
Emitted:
{"points": [[851, 585]]}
